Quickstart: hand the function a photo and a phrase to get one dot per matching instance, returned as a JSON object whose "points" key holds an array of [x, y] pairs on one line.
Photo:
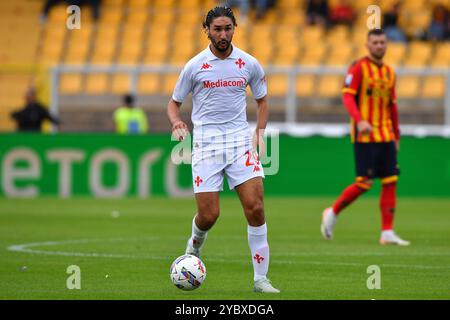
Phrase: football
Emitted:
{"points": [[187, 272]]}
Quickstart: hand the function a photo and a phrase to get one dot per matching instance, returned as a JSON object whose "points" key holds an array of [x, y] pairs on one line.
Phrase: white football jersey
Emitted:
{"points": [[218, 90]]}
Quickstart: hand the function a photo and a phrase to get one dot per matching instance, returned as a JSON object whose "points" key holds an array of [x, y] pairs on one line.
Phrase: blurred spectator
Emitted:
{"points": [[130, 119], [342, 13], [261, 7], [242, 5], [31, 117], [317, 12], [390, 24], [95, 4], [439, 26]]}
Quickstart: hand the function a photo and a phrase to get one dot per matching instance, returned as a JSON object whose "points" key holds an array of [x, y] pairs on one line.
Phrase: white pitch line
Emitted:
{"points": [[25, 248]]}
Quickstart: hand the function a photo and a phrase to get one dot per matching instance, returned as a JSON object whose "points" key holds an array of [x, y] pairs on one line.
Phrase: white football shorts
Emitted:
{"points": [[208, 170]]}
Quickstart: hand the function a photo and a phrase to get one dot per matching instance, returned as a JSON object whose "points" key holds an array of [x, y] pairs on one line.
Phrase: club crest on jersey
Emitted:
{"points": [[229, 82], [205, 66], [240, 63]]}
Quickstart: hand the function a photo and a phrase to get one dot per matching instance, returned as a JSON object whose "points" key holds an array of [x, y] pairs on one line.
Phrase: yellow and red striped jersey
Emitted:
{"points": [[373, 86]]}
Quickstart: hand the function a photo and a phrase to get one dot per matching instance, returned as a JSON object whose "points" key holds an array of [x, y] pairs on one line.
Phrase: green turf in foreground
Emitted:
{"points": [[128, 257]]}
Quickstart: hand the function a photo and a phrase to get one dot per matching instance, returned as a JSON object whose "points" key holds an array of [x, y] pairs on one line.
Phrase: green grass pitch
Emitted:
{"points": [[128, 257]]}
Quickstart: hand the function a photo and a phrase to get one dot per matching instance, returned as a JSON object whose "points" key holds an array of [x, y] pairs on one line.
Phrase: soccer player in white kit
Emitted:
{"points": [[223, 144]]}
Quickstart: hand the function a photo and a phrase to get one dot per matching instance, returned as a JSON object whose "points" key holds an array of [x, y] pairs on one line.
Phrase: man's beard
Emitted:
{"points": [[379, 56], [216, 44]]}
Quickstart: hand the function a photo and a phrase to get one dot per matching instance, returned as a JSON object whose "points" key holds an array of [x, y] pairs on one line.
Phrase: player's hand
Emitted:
{"points": [[364, 127], [179, 130], [258, 142]]}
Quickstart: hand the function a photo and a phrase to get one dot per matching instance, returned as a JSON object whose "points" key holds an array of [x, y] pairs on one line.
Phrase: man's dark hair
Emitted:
{"points": [[128, 99], [375, 32], [219, 12]]}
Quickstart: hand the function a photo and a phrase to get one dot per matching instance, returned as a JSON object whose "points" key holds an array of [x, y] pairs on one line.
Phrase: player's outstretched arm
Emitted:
{"points": [[179, 128]]}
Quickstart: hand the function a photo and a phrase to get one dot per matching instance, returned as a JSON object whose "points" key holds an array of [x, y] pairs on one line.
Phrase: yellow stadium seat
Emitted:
{"points": [[387, 4], [313, 55], [340, 55], [149, 84], [78, 46], [120, 83], [338, 36], [112, 3], [407, 86], [261, 33], [270, 18], [289, 5], [106, 33], [312, 34], [158, 35], [419, 54], [286, 36], [130, 53], [77, 54], [180, 55], [162, 17], [263, 54], [70, 83], [51, 54], [183, 34], [156, 53], [169, 82], [55, 33], [433, 87], [330, 86], [277, 84], [138, 4], [81, 35], [359, 36], [286, 55], [103, 53], [131, 35], [137, 17], [305, 85], [415, 5], [163, 4], [395, 53], [442, 55], [189, 4], [190, 17], [58, 15], [96, 83], [111, 15], [292, 18]]}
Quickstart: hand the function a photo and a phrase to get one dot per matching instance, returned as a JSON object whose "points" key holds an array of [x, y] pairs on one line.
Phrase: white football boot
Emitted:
{"points": [[191, 250], [264, 285], [328, 221], [389, 237]]}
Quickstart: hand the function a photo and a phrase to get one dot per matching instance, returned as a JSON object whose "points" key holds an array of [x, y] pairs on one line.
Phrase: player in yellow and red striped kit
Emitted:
{"points": [[369, 97]]}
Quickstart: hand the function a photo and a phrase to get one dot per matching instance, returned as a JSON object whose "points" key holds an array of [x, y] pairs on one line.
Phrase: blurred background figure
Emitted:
{"points": [[317, 12], [244, 6], [342, 14], [95, 4], [439, 26], [130, 119], [390, 24], [33, 114]]}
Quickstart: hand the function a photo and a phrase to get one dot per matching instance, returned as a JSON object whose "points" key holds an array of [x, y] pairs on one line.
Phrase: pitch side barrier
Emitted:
{"points": [[118, 166]]}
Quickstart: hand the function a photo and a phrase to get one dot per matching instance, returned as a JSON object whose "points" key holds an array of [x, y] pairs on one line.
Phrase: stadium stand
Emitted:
{"points": [[155, 32]]}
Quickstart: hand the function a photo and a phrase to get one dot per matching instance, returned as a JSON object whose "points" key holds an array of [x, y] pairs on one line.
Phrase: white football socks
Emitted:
{"points": [[257, 241], [198, 236]]}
